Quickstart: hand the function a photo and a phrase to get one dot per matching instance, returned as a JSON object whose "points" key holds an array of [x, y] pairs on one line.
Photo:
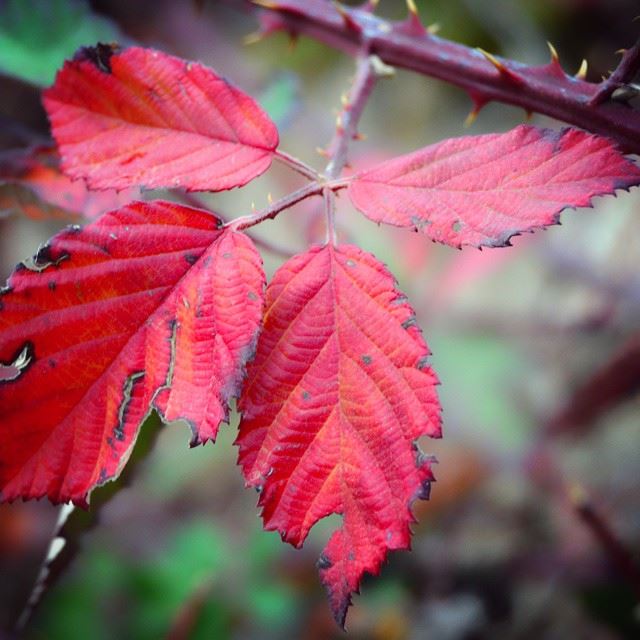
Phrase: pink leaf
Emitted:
{"points": [[482, 190], [338, 392]]}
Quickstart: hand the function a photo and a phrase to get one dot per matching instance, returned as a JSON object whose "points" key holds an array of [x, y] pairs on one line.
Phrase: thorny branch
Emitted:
{"points": [[616, 551], [545, 89], [369, 69], [270, 212]]}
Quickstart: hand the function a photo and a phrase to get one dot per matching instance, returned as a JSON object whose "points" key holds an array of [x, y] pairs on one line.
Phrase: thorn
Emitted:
{"points": [[555, 58], [413, 25], [344, 100], [504, 72], [339, 124], [266, 4], [434, 28], [381, 69], [582, 71], [556, 67], [359, 137], [293, 41], [323, 152], [620, 52], [253, 207], [269, 198], [528, 114], [478, 103], [578, 495], [471, 118], [349, 22], [254, 37]]}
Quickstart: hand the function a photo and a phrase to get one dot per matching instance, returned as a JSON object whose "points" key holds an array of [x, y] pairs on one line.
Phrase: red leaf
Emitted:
{"points": [[103, 318], [482, 190], [32, 184], [334, 400], [142, 117]]}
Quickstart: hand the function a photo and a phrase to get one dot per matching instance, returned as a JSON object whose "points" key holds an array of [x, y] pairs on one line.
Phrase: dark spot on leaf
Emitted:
{"points": [[306, 395], [554, 137], [456, 227], [423, 363], [52, 363], [419, 223], [52, 285], [323, 563], [103, 477], [252, 296], [351, 263], [42, 260], [191, 258], [401, 299], [351, 556], [100, 55], [366, 359], [424, 490], [227, 255]]}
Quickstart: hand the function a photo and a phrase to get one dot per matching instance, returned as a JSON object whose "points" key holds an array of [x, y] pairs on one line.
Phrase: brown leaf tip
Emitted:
{"points": [[100, 55]]}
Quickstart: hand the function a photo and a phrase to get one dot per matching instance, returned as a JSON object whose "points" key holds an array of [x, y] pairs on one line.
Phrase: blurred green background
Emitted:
{"points": [[537, 348]]}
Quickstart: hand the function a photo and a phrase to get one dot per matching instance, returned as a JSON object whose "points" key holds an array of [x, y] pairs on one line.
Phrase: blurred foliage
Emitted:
{"points": [[36, 36], [110, 595], [281, 98]]}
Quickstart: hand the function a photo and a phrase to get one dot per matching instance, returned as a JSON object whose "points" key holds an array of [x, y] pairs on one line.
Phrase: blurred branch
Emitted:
{"points": [[613, 383], [545, 89], [74, 523], [617, 553]]}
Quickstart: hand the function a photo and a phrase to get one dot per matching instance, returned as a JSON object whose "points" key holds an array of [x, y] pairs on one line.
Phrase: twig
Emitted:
{"points": [[624, 73], [193, 201], [544, 89], [369, 69], [270, 212], [297, 165]]}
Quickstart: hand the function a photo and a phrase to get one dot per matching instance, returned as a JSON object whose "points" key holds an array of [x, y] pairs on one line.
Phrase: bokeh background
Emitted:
{"points": [[533, 529]]}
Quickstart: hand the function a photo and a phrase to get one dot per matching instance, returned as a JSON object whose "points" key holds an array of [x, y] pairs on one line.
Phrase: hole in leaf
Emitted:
{"points": [[18, 365]]}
